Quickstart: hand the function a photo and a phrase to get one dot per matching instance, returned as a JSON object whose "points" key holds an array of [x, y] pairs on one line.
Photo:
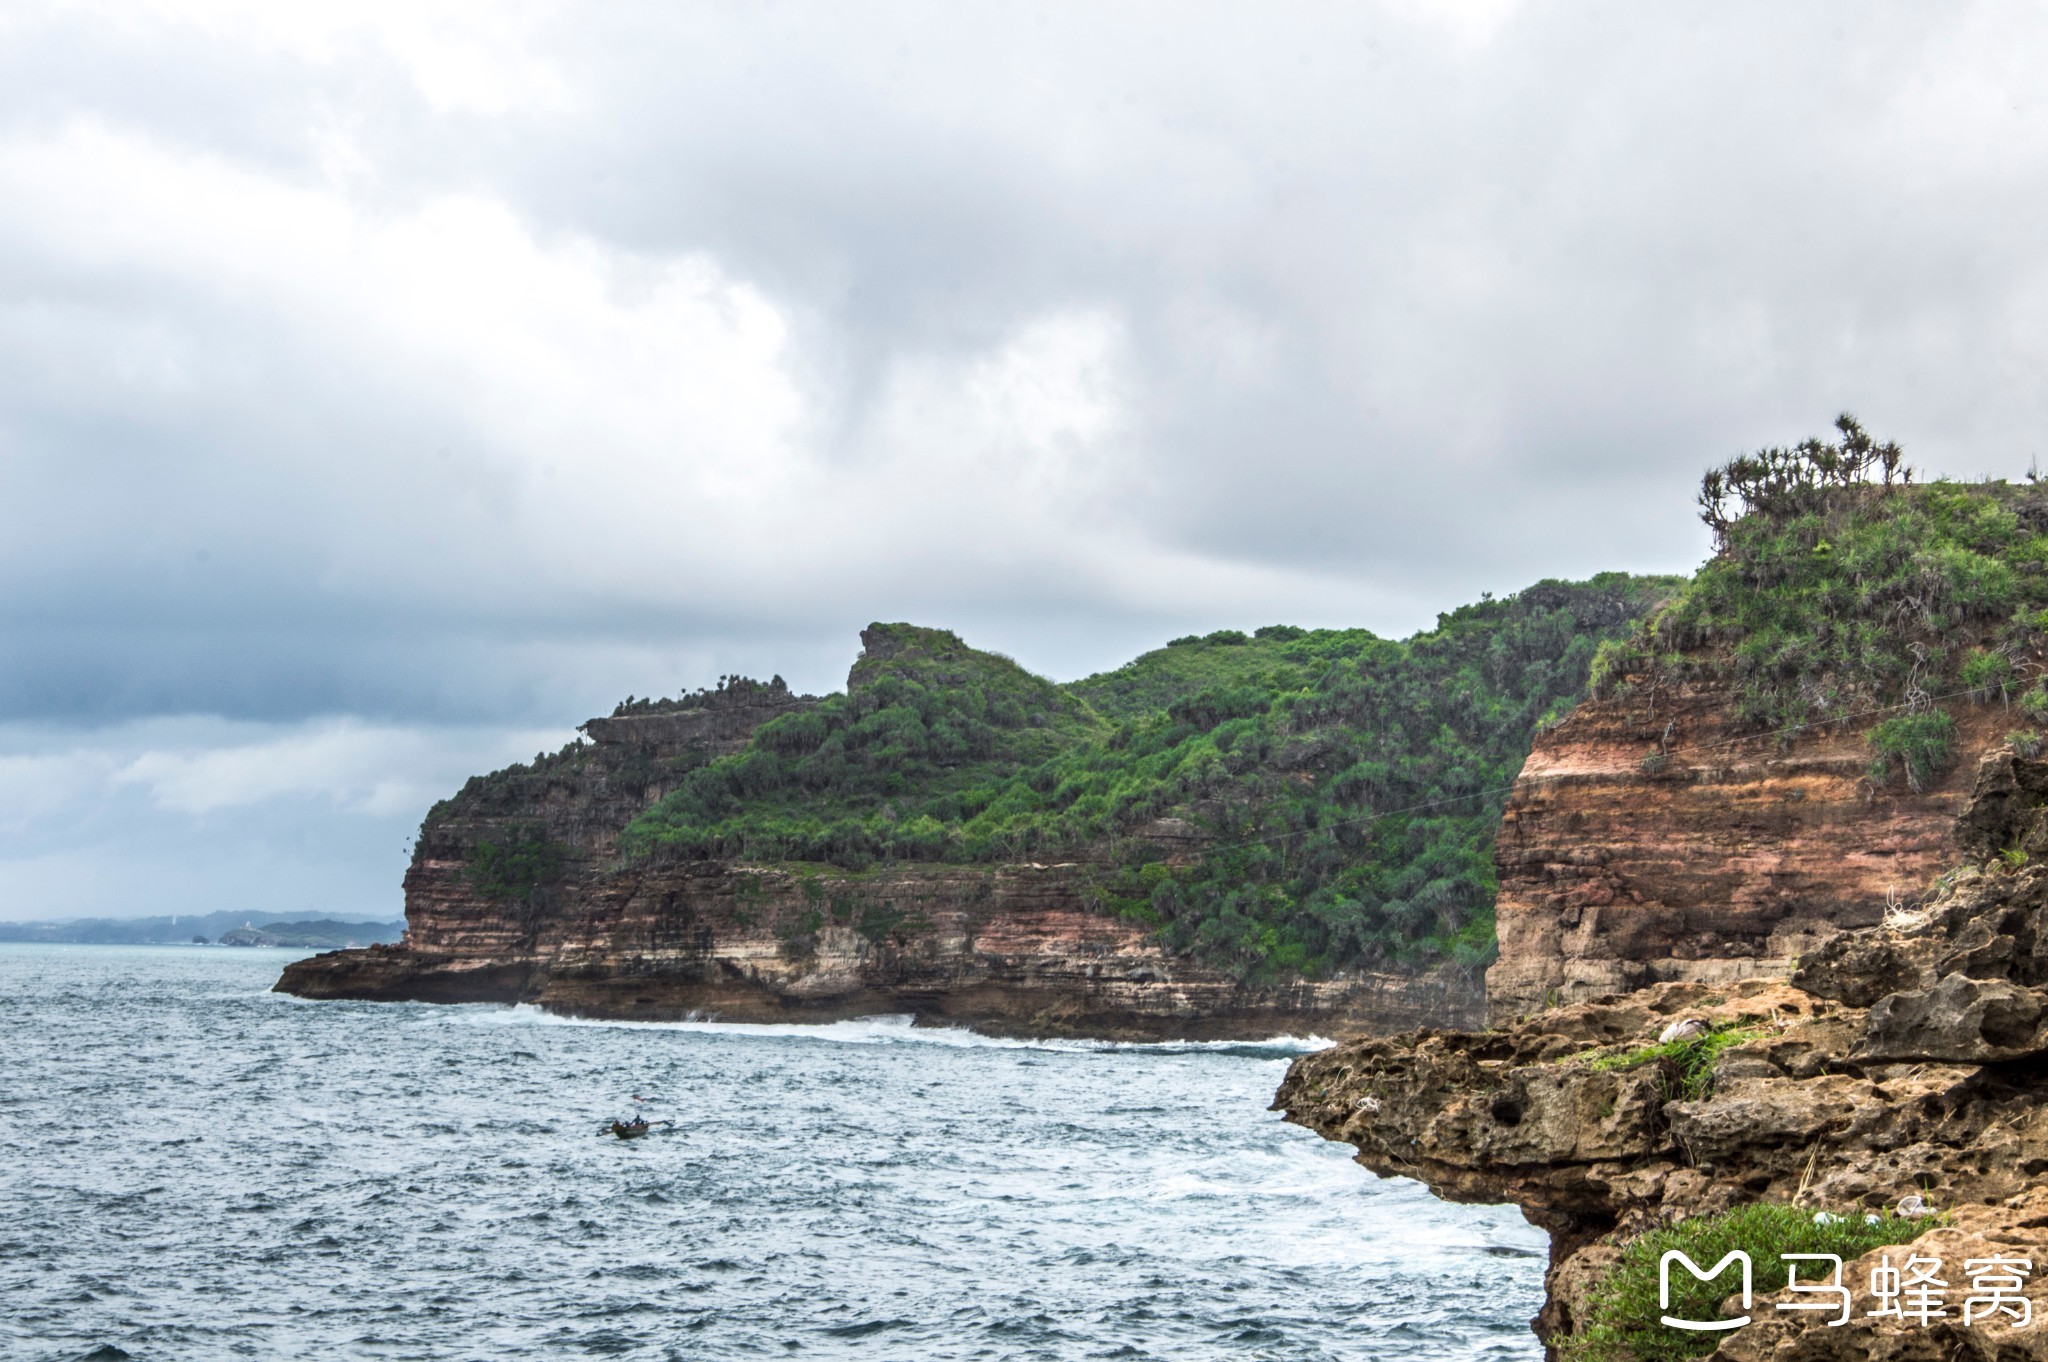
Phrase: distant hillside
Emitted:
{"points": [[318, 934], [322, 933], [1339, 791]]}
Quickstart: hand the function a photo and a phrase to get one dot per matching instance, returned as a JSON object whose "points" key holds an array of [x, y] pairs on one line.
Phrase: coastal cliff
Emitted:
{"points": [[1782, 751], [1286, 831], [1653, 838], [518, 892], [1773, 970], [1904, 1059]]}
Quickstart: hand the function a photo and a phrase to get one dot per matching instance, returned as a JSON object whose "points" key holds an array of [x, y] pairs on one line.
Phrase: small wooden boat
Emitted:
{"points": [[630, 1130]]}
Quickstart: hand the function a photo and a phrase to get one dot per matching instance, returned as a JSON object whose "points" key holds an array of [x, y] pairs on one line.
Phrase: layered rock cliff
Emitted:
{"points": [[517, 893], [1906, 1058], [1237, 834], [1653, 838]]}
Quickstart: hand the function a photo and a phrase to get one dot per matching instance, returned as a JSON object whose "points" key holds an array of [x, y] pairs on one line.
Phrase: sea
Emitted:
{"points": [[194, 1167]]}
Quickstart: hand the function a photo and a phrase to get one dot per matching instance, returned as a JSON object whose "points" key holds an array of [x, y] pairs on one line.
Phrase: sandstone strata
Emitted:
{"points": [[1651, 839], [1908, 1057], [1006, 948]]}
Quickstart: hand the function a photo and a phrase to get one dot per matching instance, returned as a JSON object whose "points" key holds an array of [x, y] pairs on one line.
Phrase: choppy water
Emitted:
{"points": [[192, 1167]]}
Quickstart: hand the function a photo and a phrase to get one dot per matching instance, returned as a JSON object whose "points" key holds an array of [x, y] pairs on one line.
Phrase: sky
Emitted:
{"points": [[385, 388]]}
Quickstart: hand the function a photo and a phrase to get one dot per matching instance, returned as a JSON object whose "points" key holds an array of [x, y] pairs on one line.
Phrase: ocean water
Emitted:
{"points": [[192, 1167]]}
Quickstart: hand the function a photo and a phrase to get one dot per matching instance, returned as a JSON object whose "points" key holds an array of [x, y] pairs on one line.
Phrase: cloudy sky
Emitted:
{"points": [[386, 387]]}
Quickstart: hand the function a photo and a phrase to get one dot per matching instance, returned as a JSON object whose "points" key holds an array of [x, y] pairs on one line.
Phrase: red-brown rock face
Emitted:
{"points": [[1013, 948], [1728, 858]]}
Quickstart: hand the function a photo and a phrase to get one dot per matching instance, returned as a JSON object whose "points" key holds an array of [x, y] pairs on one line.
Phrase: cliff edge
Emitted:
{"points": [[1900, 1060], [1655, 838], [520, 891]]}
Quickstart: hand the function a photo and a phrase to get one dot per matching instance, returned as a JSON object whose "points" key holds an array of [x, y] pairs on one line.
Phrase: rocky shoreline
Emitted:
{"points": [[1909, 1058], [1012, 953], [1017, 950]]}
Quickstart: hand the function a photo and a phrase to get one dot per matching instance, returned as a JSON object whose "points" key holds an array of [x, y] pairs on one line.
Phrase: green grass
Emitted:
{"points": [[1346, 787], [1918, 747], [1623, 1315], [1691, 1061]]}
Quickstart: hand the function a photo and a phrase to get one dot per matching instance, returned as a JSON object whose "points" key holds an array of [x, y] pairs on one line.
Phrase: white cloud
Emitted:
{"points": [[352, 766], [180, 814], [463, 57]]}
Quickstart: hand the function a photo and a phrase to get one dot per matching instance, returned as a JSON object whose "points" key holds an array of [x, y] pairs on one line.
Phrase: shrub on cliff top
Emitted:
{"points": [[1781, 483], [1624, 1310], [1833, 596]]}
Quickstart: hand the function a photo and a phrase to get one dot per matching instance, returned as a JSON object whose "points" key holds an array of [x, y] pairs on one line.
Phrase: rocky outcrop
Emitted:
{"points": [[517, 893], [1652, 839], [1906, 1058]]}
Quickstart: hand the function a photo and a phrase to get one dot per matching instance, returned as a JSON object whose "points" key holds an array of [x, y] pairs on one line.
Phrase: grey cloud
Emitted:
{"points": [[1601, 240], [696, 337]]}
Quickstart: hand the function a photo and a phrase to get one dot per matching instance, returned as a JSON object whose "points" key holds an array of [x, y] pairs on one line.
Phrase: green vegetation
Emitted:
{"points": [[1623, 1316], [1223, 661], [929, 735], [510, 871], [1921, 747], [703, 696], [1688, 1063], [1843, 590], [1344, 788], [1832, 596]]}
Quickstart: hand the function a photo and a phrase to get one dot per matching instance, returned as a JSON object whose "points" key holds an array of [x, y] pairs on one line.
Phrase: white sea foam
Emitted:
{"points": [[882, 1029]]}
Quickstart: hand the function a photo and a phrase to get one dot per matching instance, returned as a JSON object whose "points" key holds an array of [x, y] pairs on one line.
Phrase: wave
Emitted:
{"points": [[886, 1029]]}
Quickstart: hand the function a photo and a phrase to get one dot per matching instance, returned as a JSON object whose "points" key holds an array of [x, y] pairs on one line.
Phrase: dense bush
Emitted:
{"points": [[511, 870], [1918, 747]]}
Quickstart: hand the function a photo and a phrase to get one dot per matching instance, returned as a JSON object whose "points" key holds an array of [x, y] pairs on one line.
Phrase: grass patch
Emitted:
{"points": [[1921, 747], [1689, 1062], [1623, 1315]]}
